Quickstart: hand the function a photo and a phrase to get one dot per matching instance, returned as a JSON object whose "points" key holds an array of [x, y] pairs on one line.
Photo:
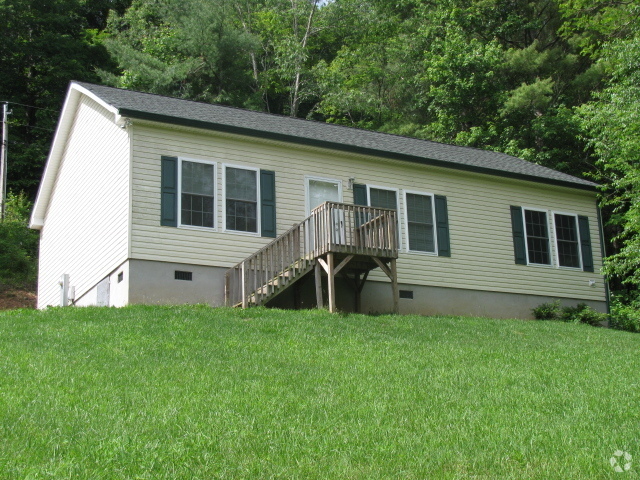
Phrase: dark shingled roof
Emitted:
{"points": [[276, 127]]}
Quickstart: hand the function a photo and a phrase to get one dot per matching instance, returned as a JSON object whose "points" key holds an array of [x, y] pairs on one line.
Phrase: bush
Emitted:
{"points": [[581, 313], [548, 311], [18, 243], [625, 317]]}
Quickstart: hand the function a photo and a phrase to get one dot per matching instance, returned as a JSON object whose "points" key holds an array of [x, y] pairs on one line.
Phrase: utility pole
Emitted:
{"points": [[3, 161]]}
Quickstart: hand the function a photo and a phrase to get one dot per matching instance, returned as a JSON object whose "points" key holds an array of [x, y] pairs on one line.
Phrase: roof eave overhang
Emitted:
{"points": [[124, 112]]}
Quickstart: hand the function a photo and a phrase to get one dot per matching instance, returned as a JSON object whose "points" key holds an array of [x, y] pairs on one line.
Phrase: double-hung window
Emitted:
{"points": [[533, 238], [188, 192], [537, 230], [420, 223], [197, 193], [425, 217], [383, 198], [567, 240], [242, 191]]}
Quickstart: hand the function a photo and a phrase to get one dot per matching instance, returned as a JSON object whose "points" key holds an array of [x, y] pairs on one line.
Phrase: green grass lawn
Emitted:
{"points": [[201, 393]]}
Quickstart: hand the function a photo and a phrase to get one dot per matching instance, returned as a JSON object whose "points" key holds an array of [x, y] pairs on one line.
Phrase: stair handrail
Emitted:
{"points": [[330, 226]]}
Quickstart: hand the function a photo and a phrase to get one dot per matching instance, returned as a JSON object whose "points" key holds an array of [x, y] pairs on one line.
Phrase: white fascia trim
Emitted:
{"points": [[58, 146]]}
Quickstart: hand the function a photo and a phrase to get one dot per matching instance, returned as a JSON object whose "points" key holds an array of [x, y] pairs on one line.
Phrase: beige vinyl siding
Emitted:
{"points": [[479, 214], [85, 231]]}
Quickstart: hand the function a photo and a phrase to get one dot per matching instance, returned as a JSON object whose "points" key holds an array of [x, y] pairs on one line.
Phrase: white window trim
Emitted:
{"points": [[549, 239], [215, 191], [433, 219], [555, 240], [399, 209], [308, 178], [224, 201]]}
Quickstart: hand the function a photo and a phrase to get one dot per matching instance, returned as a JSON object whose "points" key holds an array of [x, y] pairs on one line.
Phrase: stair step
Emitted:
{"points": [[279, 282]]}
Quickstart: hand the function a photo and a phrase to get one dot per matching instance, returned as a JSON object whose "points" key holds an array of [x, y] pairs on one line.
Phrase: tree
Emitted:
{"points": [[188, 49], [44, 46], [18, 243], [612, 122]]}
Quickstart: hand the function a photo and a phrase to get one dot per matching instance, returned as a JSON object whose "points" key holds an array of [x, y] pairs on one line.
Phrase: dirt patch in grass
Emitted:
{"points": [[16, 297]]}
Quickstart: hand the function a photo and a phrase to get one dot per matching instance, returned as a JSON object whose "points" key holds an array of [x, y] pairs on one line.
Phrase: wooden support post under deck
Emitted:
{"points": [[359, 287], [318, 274], [394, 286], [332, 282]]}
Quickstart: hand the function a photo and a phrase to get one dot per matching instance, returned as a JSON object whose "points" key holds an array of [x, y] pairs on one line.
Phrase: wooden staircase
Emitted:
{"points": [[335, 238]]}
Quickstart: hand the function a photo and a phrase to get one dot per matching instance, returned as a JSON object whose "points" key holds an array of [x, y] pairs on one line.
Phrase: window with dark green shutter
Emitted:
{"points": [[383, 198], [241, 199], [197, 193], [532, 239], [420, 222], [567, 240], [537, 231]]}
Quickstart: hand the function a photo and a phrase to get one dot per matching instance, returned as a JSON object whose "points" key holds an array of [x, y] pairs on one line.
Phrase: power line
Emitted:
{"points": [[30, 106], [31, 126]]}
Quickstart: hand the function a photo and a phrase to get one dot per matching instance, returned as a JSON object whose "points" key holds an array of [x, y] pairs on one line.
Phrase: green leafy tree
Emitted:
{"points": [[612, 122], [44, 46], [187, 48], [18, 243]]}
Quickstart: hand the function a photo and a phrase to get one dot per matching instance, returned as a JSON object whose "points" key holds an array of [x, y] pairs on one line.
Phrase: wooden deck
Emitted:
{"points": [[336, 238]]}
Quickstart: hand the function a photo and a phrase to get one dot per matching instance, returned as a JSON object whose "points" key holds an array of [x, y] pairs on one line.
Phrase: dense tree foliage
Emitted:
{"points": [[552, 81], [612, 122], [44, 45]]}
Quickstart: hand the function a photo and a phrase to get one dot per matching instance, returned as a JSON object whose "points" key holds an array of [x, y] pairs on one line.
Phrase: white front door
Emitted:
{"points": [[320, 190]]}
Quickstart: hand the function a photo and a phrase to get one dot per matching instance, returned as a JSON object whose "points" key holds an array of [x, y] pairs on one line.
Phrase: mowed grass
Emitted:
{"points": [[198, 393]]}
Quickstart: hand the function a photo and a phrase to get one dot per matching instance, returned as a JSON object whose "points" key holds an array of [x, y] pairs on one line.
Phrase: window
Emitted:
{"points": [[532, 240], [537, 233], [383, 198], [568, 244], [241, 199], [420, 222], [197, 193], [188, 190]]}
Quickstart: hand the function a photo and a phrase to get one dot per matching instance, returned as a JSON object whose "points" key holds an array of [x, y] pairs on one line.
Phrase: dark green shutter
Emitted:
{"points": [[519, 241], [585, 244], [360, 194], [169, 192], [268, 203], [442, 226], [360, 198]]}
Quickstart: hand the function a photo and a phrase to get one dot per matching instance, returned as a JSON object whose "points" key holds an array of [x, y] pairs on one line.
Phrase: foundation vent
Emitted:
{"points": [[406, 294]]}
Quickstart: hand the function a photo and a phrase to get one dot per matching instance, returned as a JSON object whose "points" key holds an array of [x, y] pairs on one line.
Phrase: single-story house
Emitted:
{"points": [[158, 200]]}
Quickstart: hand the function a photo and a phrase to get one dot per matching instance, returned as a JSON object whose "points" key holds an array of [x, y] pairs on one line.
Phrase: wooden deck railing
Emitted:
{"points": [[331, 227]]}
